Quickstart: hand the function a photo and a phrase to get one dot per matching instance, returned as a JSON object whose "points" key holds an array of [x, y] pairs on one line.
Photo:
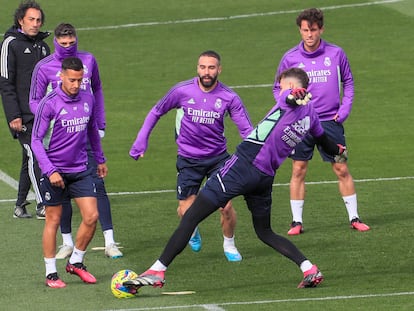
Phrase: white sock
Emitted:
{"points": [[77, 256], [67, 239], [306, 265], [109, 237], [228, 244], [194, 232], [50, 264], [297, 209], [351, 206], [158, 266]]}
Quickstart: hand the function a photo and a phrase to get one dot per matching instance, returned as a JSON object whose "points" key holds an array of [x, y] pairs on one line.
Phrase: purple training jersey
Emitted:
{"points": [[199, 121], [274, 138], [46, 77], [62, 127], [328, 70]]}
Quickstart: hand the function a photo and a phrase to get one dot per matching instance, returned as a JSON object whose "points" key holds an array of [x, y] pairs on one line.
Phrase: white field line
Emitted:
{"points": [[213, 307], [15, 185], [246, 303], [242, 16], [10, 181], [275, 185], [250, 86]]}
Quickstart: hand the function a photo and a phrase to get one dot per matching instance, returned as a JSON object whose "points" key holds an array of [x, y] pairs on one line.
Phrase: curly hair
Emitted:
{"points": [[22, 9], [312, 16]]}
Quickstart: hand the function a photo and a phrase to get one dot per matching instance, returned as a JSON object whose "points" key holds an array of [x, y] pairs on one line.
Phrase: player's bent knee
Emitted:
{"points": [[91, 219]]}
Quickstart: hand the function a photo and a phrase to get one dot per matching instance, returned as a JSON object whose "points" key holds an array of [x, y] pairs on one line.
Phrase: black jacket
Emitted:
{"points": [[18, 57]]}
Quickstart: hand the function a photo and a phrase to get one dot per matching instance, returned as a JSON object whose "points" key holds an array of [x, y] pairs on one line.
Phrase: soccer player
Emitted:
{"points": [[330, 75], [45, 78], [64, 123], [21, 49], [202, 104], [250, 172]]}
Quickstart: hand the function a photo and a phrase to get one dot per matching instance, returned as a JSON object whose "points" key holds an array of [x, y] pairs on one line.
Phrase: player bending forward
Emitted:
{"points": [[250, 172]]}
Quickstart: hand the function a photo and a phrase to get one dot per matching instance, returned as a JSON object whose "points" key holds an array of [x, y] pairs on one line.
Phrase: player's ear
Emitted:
{"points": [[322, 30]]}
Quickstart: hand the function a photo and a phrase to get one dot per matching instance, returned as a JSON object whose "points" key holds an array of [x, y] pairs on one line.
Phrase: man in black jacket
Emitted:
{"points": [[21, 49]]}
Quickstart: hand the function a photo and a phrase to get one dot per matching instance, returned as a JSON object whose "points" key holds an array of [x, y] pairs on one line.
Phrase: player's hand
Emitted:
{"points": [[342, 155], [56, 180], [16, 125], [298, 96], [136, 153], [102, 170]]}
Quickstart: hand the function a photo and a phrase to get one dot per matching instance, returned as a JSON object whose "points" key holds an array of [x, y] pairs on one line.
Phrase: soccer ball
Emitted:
{"points": [[120, 291]]}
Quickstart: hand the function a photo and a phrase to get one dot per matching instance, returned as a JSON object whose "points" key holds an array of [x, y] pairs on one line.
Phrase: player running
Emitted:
{"points": [[202, 103]]}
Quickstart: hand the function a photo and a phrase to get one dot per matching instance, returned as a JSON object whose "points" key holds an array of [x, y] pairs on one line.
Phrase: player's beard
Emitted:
{"points": [[207, 83]]}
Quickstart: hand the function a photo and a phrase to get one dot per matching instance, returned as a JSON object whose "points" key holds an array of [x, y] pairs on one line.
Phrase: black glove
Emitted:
{"points": [[298, 96], [342, 156]]}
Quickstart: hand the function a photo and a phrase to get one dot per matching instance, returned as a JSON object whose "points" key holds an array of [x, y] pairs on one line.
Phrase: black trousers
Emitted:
{"points": [[29, 172]]}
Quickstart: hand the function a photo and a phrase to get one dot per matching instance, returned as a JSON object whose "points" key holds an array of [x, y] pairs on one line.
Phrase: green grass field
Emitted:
{"points": [[145, 47]]}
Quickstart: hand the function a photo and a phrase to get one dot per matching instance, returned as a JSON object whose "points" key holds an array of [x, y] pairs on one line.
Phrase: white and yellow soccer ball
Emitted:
{"points": [[119, 290]]}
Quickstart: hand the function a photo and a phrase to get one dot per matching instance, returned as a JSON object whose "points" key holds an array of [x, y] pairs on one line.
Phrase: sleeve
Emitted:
{"points": [[95, 140], [38, 88], [321, 138], [42, 122], [8, 80], [240, 117], [347, 89], [97, 90], [167, 103], [140, 144], [327, 144]]}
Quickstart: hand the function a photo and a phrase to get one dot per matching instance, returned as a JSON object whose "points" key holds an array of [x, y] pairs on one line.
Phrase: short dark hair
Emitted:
{"points": [[72, 63], [297, 73], [211, 53], [65, 29], [20, 12], [312, 16]]}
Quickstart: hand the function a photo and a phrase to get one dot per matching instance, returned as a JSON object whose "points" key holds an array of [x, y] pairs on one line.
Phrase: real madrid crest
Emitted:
{"points": [[85, 107], [218, 103]]}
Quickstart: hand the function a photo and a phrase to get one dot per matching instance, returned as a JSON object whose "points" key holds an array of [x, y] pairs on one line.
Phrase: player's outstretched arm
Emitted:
{"points": [[140, 144]]}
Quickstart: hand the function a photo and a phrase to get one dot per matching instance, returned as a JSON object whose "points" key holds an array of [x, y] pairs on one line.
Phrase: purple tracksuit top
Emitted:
{"points": [[328, 69], [199, 120], [46, 76], [62, 127], [274, 138]]}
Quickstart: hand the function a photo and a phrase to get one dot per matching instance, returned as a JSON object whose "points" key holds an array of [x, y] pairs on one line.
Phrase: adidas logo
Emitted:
{"points": [[63, 112], [191, 101], [27, 51]]}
